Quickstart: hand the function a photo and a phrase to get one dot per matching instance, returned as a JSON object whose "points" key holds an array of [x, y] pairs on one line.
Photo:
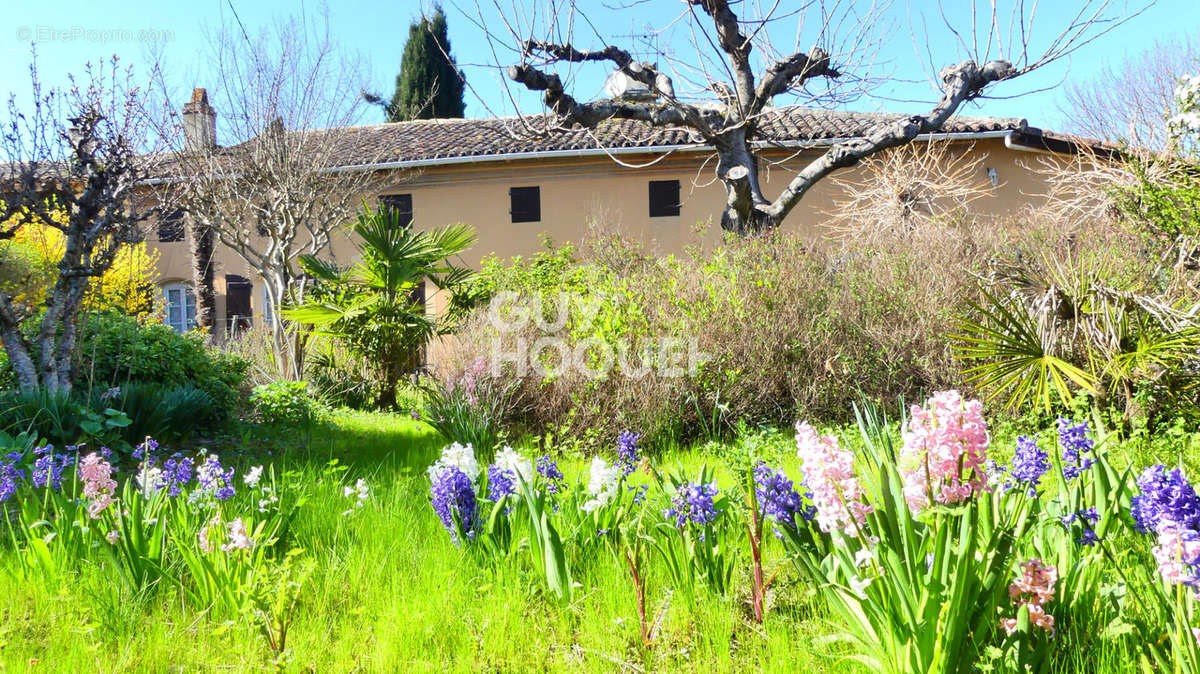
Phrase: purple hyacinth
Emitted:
{"points": [[453, 495], [778, 499], [48, 468], [693, 503], [548, 469], [11, 476], [177, 471], [1167, 498], [1076, 446], [146, 449], [1029, 464], [501, 483], [627, 452], [1087, 518], [639, 493]]}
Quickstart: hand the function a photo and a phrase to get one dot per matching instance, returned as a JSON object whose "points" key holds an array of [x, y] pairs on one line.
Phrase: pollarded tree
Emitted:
{"points": [[288, 100], [74, 166], [724, 90]]}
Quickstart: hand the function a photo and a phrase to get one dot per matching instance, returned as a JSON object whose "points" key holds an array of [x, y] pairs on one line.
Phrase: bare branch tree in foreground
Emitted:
{"points": [[275, 196], [74, 165], [723, 91]]}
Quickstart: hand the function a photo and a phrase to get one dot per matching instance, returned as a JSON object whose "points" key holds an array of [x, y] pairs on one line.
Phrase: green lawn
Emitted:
{"points": [[389, 592]]}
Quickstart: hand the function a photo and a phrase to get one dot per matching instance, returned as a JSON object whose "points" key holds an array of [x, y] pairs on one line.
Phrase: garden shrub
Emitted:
{"points": [[343, 379], [785, 325], [788, 325], [285, 403], [116, 350]]}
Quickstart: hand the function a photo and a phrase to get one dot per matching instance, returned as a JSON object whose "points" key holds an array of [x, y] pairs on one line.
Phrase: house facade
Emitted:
{"points": [[652, 185]]}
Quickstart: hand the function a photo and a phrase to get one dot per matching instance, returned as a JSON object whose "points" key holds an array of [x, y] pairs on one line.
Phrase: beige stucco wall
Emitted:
{"points": [[582, 193]]}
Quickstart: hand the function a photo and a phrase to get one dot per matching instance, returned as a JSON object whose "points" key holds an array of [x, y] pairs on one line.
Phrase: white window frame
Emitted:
{"points": [[181, 297], [267, 311]]}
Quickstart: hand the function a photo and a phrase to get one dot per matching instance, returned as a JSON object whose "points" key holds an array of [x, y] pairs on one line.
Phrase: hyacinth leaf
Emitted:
{"points": [[1016, 360], [545, 544]]}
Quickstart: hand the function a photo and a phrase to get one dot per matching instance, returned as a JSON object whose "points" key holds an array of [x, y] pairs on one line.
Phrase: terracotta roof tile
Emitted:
{"points": [[430, 140]]}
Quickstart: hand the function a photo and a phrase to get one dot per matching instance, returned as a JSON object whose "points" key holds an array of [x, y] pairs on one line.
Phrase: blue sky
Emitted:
{"points": [[69, 33]]}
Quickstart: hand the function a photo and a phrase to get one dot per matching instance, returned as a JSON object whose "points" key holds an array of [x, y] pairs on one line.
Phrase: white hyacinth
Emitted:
{"points": [[508, 459], [252, 476], [150, 480], [602, 484], [461, 457]]}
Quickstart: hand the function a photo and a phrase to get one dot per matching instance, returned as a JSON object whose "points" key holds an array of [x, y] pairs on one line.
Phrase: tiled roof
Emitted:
{"points": [[432, 140]]}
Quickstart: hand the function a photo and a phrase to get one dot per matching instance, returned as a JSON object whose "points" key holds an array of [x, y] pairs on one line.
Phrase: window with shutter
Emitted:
{"points": [[664, 198], [402, 203], [526, 204]]}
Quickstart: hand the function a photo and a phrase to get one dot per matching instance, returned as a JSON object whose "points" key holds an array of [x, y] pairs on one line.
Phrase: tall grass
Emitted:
{"points": [[389, 591]]}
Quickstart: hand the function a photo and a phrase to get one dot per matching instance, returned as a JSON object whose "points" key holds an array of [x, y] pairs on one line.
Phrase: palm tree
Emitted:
{"points": [[376, 307]]}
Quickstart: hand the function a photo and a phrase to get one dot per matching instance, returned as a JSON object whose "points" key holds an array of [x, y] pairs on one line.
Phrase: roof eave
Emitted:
{"points": [[649, 149]]}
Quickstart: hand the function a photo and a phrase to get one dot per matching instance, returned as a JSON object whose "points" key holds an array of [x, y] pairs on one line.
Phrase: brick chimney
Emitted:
{"points": [[199, 123]]}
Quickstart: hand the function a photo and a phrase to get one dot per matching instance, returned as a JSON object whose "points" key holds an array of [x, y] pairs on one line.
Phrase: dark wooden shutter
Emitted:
{"points": [[401, 203], [170, 227], [664, 198], [238, 314], [526, 204]]}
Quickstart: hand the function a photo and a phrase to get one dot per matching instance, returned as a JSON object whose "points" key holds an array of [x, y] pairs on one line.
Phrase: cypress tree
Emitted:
{"points": [[429, 84]]}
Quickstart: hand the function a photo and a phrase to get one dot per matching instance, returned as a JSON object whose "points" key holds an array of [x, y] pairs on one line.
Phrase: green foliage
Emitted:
{"points": [[343, 379], [470, 409], [67, 419], [1164, 199], [115, 351], [159, 410], [1037, 338], [375, 307], [429, 85], [285, 403], [775, 326]]}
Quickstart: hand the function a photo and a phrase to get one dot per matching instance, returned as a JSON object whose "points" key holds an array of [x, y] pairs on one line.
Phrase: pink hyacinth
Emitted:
{"points": [[1177, 554], [98, 485], [202, 537], [1034, 588], [238, 538], [829, 473], [945, 447]]}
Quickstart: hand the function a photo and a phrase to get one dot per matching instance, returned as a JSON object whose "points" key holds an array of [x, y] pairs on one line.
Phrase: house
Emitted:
{"points": [[652, 184]]}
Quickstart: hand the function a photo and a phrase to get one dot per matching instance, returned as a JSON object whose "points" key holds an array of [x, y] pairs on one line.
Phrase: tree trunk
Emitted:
{"points": [[745, 211], [200, 246], [19, 359], [277, 281]]}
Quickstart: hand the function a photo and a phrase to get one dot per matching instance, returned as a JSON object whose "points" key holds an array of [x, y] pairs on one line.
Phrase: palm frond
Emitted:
{"points": [[1017, 360]]}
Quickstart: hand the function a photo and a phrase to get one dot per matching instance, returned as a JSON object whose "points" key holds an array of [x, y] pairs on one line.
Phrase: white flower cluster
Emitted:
{"points": [[459, 456], [1187, 100], [602, 484], [360, 491], [508, 459]]}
